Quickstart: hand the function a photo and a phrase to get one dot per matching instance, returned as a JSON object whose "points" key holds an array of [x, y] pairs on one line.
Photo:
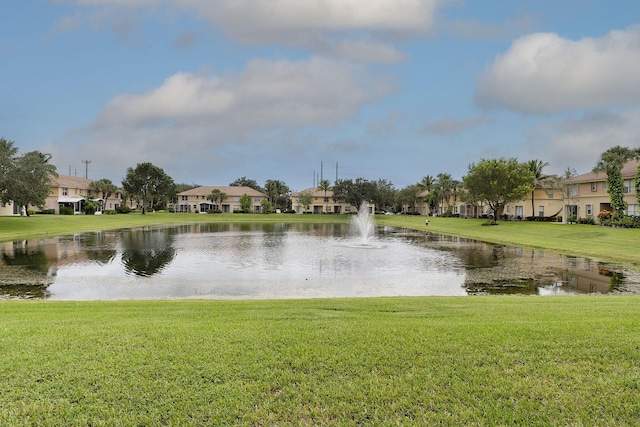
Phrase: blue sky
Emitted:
{"points": [[271, 89]]}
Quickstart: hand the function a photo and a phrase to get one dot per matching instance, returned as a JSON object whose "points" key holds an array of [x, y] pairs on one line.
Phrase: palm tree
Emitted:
{"points": [[611, 162], [446, 184], [104, 186], [216, 195], [277, 192], [536, 166], [324, 185]]}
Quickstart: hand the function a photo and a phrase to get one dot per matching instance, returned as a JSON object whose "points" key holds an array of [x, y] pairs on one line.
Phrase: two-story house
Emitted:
{"points": [[322, 202], [198, 199]]}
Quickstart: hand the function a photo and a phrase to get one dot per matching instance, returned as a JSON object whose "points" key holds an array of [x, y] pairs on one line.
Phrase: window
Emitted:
{"points": [[604, 186], [628, 186], [540, 210], [632, 210], [573, 190], [256, 199], [594, 186], [65, 191], [589, 209], [550, 194], [326, 200], [185, 198]]}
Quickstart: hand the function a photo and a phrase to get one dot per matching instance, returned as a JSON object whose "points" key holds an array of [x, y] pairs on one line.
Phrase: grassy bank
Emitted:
{"points": [[616, 244], [604, 243], [389, 361]]}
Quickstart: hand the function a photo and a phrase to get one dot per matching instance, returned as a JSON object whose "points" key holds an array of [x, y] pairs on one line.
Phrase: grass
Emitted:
{"points": [[604, 243], [379, 361]]}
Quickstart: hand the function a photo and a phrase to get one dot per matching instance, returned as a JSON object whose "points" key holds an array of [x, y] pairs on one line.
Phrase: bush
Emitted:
{"points": [[124, 209], [109, 212], [588, 220], [46, 212], [64, 210]]}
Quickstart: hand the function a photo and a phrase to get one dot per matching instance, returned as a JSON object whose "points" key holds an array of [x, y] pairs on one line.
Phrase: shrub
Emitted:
{"points": [[64, 210], [47, 212], [124, 209], [604, 215], [588, 220], [109, 212]]}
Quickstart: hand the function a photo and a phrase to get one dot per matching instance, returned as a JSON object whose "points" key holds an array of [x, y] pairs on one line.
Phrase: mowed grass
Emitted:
{"points": [[615, 244], [374, 361], [381, 361]]}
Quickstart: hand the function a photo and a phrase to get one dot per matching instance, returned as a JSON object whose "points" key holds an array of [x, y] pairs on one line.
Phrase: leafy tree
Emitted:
{"points": [[384, 194], [29, 183], [267, 207], [354, 193], [91, 205], [148, 184], [278, 193], [216, 195], [105, 188], [611, 162], [245, 203], [409, 196], [305, 200], [8, 155], [497, 182], [246, 182], [536, 167]]}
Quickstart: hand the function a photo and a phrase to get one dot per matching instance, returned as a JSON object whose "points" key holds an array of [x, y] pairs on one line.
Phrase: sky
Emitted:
{"points": [[298, 90]]}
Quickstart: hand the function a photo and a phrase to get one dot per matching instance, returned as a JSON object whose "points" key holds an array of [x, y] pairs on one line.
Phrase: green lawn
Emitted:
{"points": [[380, 361], [454, 361]]}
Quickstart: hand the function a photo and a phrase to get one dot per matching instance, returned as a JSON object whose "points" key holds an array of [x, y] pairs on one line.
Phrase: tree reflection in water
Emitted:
{"points": [[146, 251]]}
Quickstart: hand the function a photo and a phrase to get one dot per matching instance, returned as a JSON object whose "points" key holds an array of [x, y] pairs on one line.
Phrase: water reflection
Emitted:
{"points": [[289, 261], [147, 251]]}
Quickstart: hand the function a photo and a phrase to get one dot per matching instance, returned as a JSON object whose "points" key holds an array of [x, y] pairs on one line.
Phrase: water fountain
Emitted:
{"points": [[362, 225]]}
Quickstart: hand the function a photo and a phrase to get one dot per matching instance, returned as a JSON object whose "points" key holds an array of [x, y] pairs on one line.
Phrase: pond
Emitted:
{"points": [[258, 261]]}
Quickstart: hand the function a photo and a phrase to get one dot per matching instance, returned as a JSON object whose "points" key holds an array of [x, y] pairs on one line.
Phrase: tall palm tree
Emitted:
{"points": [[536, 166], [445, 183], [611, 162], [324, 185]]}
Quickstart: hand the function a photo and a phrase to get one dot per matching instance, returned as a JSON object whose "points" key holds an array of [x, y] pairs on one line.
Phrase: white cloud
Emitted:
{"points": [[266, 94], [203, 120], [545, 73], [579, 142], [351, 29]]}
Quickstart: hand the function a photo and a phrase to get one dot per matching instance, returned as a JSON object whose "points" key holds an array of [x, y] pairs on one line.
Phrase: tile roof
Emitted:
{"points": [[629, 170], [229, 190]]}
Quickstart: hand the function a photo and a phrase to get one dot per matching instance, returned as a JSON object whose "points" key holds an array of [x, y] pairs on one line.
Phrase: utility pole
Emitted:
{"points": [[86, 168]]}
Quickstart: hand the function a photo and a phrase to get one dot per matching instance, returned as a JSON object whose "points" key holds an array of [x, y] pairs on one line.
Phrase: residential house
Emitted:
{"points": [[195, 199], [587, 193], [546, 202], [322, 202], [68, 191]]}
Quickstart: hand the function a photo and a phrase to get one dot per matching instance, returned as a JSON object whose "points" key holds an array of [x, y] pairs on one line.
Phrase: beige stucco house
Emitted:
{"points": [[69, 191], [587, 193], [323, 203], [195, 199]]}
